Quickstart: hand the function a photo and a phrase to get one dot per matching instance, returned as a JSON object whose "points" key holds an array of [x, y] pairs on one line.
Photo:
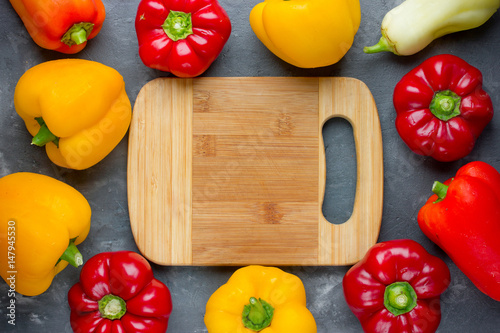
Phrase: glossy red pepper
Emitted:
{"points": [[463, 218], [117, 293], [396, 288], [61, 25], [442, 108], [181, 37]]}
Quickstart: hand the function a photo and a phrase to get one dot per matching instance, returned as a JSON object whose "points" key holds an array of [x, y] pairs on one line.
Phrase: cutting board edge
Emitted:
{"points": [[142, 247], [176, 90], [370, 174]]}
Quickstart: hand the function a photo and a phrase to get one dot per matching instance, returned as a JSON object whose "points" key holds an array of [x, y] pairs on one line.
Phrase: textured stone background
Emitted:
{"points": [[408, 177]]}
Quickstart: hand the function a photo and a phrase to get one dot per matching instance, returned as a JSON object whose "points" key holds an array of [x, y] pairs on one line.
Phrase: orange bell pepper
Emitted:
{"points": [[61, 25]]}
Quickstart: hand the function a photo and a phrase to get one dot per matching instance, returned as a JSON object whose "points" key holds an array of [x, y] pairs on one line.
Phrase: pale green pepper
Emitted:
{"points": [[414, 24]]}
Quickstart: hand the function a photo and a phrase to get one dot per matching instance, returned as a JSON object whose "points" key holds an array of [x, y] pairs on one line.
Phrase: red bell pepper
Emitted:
{"points": [[442, 108], [61, 25], [118, 293], [463, 218], [396, 288], [181, 37]]}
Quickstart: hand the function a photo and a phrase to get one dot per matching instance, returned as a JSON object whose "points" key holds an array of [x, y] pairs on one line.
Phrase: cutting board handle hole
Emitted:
{"points": [[341, 170]]}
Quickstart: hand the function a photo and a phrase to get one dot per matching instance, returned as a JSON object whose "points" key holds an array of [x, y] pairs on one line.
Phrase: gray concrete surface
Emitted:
{"points": [[408, 177]]}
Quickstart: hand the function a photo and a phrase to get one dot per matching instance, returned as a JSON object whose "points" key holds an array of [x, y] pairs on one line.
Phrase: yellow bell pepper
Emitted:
{"points": [[260, 299], [77, 108], [307, 33], [41, 222]]}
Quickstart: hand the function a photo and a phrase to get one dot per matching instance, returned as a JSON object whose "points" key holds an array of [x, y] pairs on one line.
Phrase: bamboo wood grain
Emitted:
{"points": [[159, 172], [231, 171], [348, 242]]}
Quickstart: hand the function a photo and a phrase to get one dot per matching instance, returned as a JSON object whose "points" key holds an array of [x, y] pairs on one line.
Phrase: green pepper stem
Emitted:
{"points": [[257, 315], [400, 298], [439, 189], [445, 105], [382, 46], [112, 307], [44, 135], [178, 25], [72, 255], [77, 34]]}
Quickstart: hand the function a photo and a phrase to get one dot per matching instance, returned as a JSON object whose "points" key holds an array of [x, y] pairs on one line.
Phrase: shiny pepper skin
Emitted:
{"points": [[118, 293], [181, 37], [61, 25], [463, 218], [41, 221], [78, 109], [307, 33], [441, 108], [396, 288], [259, 299]]}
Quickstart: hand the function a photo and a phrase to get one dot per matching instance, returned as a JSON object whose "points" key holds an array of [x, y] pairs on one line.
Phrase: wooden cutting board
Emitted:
{"points": [[231, 171]]}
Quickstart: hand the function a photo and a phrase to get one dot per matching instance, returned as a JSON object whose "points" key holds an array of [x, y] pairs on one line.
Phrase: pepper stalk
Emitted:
{"points": [[178, 25], [440, 190], [400, 298], [44, 135], [445, 105], [72, 255], [112, 307], [257, 315], [77, 34]]}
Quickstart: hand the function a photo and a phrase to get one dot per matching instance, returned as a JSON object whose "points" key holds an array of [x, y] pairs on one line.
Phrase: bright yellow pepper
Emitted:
{"points": [[307, 33], [41, 222], [260, 299], [77, 108]]}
